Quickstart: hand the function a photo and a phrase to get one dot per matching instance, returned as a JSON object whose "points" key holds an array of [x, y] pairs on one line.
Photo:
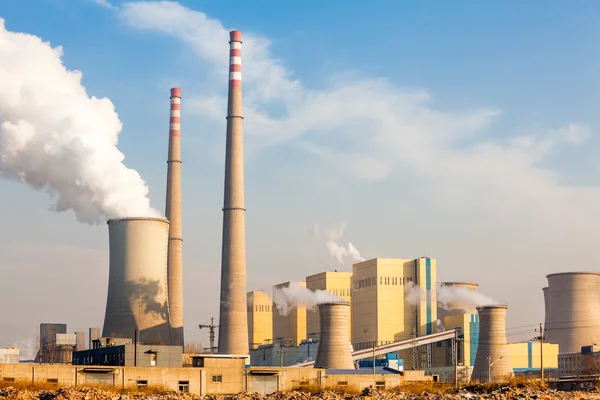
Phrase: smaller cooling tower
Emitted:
{"points": [[572, 302], [492, 361], [334, 344], [137, 281]]}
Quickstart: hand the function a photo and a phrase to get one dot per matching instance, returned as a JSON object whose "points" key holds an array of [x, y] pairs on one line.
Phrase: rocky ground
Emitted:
{"points": [[368, 394]]}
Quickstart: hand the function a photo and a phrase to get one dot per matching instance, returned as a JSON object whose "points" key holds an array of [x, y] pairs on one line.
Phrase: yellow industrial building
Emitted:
{"points": [[289, 329], [260, 318], [392, 299], [336, 283]]}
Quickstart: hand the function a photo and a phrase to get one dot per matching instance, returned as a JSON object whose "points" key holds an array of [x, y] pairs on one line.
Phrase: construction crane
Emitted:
{"points": [[211, 329]]}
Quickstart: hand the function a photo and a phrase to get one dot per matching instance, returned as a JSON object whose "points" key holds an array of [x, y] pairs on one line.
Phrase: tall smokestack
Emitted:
{"points": [[173, 214], [233, 325]]}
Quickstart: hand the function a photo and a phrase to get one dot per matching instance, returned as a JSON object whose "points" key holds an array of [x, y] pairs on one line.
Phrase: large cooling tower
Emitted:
{"points": [[173, 214], [456, 307], [137, 282], [334, 344], [573, 310], [492, 361], [233, 325]]}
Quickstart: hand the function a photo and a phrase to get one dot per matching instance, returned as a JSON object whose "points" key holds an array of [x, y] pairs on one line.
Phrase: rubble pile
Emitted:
{"points": [[473, 393]]}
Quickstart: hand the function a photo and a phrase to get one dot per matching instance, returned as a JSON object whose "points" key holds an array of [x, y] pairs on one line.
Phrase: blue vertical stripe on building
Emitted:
{"points": [[419, 303], [428, 295], [529, 349], [472, 339]]}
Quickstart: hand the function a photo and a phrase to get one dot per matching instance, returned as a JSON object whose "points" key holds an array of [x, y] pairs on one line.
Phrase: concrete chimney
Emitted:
{"points": [[572, 303], [137, 280], [334, 344], [233, 325], [492, 361], [173, 214]]}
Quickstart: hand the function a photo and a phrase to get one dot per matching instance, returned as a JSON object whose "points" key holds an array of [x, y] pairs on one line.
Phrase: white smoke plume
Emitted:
{"points": [[462, 298], [337, 251], [287, 298], [451, 297], [54, 137], [27, 348]]}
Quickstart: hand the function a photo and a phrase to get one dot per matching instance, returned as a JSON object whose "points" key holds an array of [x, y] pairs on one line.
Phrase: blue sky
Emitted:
{"points": [[464, 131]]}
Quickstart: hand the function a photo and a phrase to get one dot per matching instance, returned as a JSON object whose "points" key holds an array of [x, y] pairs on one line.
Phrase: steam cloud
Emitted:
{"points": [[452, 297], [54, 137], [27, 348], [461, 298], [339, 252], [287, 298]]}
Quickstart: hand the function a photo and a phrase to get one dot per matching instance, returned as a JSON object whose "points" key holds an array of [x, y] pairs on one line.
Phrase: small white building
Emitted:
{"points": [[10, 356]]}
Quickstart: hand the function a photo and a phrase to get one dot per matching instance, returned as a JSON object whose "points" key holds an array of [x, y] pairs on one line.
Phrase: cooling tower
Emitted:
{"points": [[173, 214], [492, 361], [137, 281], [334, 343], [573, 310], [233, 325], [456, 307]]}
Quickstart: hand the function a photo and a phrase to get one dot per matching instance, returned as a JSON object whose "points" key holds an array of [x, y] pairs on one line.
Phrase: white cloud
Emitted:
{"points": [[103, 3]]}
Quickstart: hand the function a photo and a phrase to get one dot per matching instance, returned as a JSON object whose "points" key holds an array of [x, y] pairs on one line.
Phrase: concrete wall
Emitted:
{"points": [[336, 283], [260, 318], [220, 376], [290, 327]]}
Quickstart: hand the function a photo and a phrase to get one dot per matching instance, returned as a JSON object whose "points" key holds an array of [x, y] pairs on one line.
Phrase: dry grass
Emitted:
{"points": [[515, 382], [314, 388], [418, 387], [37, 386]]}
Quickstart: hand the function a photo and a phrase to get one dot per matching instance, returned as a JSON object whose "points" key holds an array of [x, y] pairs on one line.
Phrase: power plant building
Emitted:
{"points": [[137, 284], [289, 329], [338, 284], [391, 299], [260, 318]]}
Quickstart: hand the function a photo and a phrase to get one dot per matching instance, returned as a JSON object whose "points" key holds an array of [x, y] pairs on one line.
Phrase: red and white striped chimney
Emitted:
{"points": [[173, 214], [233, 325]]}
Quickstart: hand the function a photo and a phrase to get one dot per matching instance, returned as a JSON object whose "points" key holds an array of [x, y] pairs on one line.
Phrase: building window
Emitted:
{"points": [[153, 359], [381, 280], [343, 383], [8, 379], [217, 378], [141, 383], [380, 385], [184, 386], [52, 380]]}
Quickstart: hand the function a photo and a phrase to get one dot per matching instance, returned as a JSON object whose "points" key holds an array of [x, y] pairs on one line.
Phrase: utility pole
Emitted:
{"points": [[542, 352], [211, 329], [281, 355], [374, 343]]}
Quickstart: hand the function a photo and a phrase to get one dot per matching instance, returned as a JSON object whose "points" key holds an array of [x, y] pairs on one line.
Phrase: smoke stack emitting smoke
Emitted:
{"points": [[287, 298], [339, 252], [451, 297], [54, 137]]}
